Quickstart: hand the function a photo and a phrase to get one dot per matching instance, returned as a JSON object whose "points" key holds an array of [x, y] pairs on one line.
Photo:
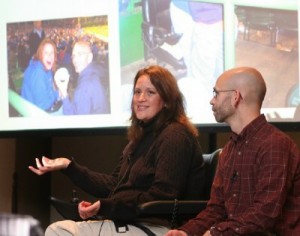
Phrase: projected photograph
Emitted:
{"points": [[75, 68], [188, 38], [58, 67], [268, 40]]}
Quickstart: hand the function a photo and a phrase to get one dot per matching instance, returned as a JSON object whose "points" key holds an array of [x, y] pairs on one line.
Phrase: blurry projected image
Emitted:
{"points": [[188, 37], [59, 66], [75, 68], [184, 36], [268, 39]]}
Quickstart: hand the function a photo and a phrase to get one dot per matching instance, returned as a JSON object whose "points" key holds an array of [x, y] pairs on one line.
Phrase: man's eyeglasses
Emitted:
{"points": [[79, 54], [216, 92]]}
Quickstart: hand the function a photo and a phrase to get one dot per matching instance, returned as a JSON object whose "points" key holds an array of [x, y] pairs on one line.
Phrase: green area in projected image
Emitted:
{"points": [[131, 44]]}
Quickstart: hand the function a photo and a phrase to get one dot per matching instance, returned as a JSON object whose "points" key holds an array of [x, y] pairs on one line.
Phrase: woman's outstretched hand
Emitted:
{"points": [[47, 165]]}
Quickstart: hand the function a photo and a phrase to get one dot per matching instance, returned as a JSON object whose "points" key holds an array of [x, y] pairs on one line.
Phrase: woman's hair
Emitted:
{"points": [[173, 110], [39, 52]]}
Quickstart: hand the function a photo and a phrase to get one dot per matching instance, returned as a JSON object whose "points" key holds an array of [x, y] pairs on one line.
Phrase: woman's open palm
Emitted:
{"points": [[47, 165]]}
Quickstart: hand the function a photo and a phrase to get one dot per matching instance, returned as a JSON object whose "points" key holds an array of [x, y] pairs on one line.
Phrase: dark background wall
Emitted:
{"points": [[23, 192]]}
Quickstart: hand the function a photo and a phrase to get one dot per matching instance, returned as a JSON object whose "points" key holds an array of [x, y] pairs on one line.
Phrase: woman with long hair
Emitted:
{"points": [[162, 160], [38, 85]]}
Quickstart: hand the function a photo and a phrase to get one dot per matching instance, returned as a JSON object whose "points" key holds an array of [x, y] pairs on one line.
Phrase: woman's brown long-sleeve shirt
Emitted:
{"points": [[163, 166]]}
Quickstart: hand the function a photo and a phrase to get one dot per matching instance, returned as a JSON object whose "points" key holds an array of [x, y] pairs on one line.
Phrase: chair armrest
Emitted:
{"points": [[67, 210], [184, 207]]}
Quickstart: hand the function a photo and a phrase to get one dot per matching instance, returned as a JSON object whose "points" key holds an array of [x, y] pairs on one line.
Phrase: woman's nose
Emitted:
{"points": [[142, 97]]}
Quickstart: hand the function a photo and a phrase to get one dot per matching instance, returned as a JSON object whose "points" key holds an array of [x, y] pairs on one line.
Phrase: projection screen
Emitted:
{"points": [[127, 35]]}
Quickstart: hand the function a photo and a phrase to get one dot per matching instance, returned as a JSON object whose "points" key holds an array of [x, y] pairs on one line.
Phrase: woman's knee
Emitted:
{"points": [[62, 228]]}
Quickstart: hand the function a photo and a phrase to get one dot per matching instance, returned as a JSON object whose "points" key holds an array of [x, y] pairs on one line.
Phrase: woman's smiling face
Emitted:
{"points": [[147, 103], [48, 56]]}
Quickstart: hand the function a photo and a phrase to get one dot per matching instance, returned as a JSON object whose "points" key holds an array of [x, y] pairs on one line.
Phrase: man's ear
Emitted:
{"points": [[237, 98]]}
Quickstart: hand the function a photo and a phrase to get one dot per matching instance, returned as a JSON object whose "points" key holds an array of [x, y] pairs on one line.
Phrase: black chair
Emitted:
{"points": [[67, 209], [179, 211], [176, 210], [156, 30]]}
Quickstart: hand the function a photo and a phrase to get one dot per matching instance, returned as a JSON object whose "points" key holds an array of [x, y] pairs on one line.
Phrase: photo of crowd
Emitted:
{"points": [[60, 66]]}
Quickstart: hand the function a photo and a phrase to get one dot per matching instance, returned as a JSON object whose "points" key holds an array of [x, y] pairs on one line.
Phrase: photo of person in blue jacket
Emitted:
{"points": [[38, 86]]}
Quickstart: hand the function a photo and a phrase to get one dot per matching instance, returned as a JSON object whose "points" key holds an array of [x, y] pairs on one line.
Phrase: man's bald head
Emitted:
{"points": [[248, 81]]}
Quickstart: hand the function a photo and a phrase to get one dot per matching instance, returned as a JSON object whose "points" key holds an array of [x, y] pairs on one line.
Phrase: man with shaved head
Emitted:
{"points": [[256, 190]]}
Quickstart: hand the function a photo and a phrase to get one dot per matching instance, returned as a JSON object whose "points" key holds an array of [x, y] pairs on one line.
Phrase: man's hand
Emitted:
{"points": [[207, 233], [176, 232]]}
